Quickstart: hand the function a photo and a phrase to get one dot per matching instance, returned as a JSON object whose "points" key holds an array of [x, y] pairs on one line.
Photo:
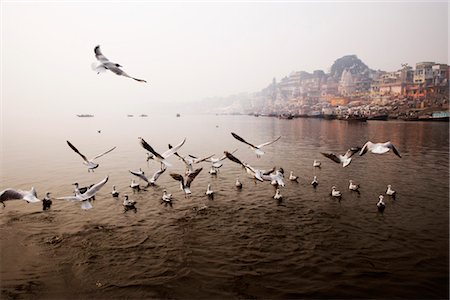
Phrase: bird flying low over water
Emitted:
{"points": [[89, 162], [12, 194], [250, 170], [185, 184], [257, 148], [160, 157], [379, 148], [344, 159], [84, 198], [105, 64]]}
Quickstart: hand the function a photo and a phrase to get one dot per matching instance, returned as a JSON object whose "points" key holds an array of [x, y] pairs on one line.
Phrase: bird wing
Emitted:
{"points": [[365, 148], [70, 198], [178, 177], [10, 194], [199, 160], [101, 154], [192, 176], [233, 158], [242, 140], [350, 152], [139, 174], [173, 149], [391, 146], [94, 189], [331, 156], [268, 143], [150, 149], [224, 156], [268, 172], [76, 150], [99, 55], [157, 174]]}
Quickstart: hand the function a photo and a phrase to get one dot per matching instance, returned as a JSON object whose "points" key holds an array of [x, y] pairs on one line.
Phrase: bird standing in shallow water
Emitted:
{"points": [[316, 164], [114, 192], [238, 184]]}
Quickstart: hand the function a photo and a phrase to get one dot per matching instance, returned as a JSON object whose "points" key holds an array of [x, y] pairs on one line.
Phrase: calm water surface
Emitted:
{"points": [[244, 244]]}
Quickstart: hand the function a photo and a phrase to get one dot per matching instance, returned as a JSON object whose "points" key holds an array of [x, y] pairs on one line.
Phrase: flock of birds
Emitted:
{"points": [[275, 176]]}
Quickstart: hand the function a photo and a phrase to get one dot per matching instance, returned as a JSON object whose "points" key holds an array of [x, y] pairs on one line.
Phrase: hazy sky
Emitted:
{"points": [[189, 51]]}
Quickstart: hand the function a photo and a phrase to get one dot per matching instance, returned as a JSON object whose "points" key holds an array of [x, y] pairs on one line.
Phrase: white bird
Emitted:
{"points": [[335, 192], [81, 190], [315, 182], [316, 164], [89, 162], [213, 171], [275, 177], [379, 148], [353, 186], [238, 183], [390, 191], [140, 174], [127, 203], [278, 195], [114, 192], [381, 205], [344, 159], [161, 157], [249, 169], [13, 194], [186, 184], [292, 177], [105, 64], [257, 148], [134, 185], [209, 192], [84, 197], [166, 197]]}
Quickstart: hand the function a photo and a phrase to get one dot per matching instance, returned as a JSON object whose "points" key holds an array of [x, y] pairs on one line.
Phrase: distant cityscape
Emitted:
{"points": [[351, 90]]}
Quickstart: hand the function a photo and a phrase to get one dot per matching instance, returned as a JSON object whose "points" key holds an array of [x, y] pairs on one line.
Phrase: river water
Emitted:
{"points": [[241, 244]]}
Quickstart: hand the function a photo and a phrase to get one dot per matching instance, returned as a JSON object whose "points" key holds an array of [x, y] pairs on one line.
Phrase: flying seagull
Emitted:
{"points": [[379, 148], [89, 162], [344, 159], [12, 194], [185, 184], [250, 170], [105, 64], [257, 148], [84, 198], [160, 157]]}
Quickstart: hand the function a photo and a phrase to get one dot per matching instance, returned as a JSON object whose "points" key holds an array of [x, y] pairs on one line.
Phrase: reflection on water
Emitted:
{"points": [[244, 243]]}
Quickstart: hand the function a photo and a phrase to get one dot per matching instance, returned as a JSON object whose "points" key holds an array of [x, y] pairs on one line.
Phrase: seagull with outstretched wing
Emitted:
{"points": [[160, 157], [345, 159], [89, 162], [257, 148], [379, 148], [13, 194], [185, 183], [86, 196], [105, 64]]}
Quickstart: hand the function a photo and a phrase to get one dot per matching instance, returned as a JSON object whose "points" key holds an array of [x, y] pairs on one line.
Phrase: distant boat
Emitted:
{"points": [[178, 115], [143, 116], [441, 116], [85, 116], [355, 118], [379, 117], [286, 116], [129, 116]]}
